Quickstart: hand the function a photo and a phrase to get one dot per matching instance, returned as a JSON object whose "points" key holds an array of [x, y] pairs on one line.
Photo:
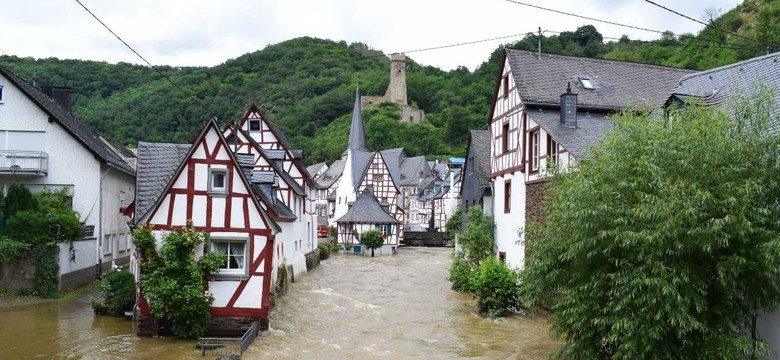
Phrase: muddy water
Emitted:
{"points": [[392, 307], [397, 307]]}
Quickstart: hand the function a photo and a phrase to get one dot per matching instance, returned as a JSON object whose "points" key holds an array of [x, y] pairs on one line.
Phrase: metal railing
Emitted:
{"points": [[24, 162], [229, 348]]}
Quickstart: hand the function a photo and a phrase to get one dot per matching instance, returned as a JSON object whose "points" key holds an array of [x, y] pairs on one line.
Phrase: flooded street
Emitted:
{"points": [[393, 307]]}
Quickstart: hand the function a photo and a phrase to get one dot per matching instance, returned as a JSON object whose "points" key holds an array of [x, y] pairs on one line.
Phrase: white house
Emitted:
{"points": [[551, 109], [45, 148]]}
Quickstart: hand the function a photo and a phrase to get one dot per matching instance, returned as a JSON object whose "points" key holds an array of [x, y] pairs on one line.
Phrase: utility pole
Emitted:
{"points": [[539, 39]]}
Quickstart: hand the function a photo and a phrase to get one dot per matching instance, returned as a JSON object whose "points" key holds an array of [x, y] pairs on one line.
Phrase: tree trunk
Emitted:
{"points": [[372, 252]]}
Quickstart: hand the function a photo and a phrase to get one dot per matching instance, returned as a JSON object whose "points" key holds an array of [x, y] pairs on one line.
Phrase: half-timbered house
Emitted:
{"points": [[259, 142], [204, 183], [550, 109], [364, 214]]}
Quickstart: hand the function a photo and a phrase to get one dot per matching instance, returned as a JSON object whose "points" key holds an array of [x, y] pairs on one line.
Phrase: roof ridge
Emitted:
{"points": [[729, 66], [583, 58]]}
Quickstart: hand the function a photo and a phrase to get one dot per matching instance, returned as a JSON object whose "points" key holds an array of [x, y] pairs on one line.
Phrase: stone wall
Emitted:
{"points": [[426, 238], [412, 115], [534, 199], [18, 275], [230, 326]]}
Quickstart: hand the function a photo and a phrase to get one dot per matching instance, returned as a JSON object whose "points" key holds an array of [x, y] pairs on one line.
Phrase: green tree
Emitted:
{"points": [[665, 242], [496, 287], [372, 239], [476, 243], [455, 222], [18, 198], [172, 278]]}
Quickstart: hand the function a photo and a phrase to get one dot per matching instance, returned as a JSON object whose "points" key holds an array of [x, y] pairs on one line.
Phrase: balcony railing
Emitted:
{"points": [[24, 162]]}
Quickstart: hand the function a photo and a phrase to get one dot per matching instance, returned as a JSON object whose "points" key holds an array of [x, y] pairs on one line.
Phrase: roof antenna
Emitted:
{"points": [[539, 54]]}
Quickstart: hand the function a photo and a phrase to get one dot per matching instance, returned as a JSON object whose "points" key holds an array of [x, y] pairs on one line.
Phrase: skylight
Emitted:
{"points": [[586, 84]]}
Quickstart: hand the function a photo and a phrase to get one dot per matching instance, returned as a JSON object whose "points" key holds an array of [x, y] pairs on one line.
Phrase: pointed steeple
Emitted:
{"points": [[357, 136]]}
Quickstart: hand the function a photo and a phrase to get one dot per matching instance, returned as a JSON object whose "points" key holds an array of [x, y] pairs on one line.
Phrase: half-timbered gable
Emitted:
{"points": [[377, 176], [548, 110], [210, 189]]}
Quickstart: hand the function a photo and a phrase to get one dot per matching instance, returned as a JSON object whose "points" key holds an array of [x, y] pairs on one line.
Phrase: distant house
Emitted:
{"points": [[45, 148], [550, 109], [475, 189], [717, 88], [438, 198], [205, 183], [364, 214]]}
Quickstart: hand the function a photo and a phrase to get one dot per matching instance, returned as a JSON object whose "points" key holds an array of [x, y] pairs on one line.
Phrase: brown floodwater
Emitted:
{"points": [[351, 307]]}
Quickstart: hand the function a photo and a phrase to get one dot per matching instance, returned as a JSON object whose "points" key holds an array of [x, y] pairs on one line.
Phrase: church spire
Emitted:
{"points": [[357, 136]]}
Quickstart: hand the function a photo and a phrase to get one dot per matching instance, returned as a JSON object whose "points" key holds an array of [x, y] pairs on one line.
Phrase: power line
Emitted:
{"points": [[585, 17], [136, 52], [701, 22], [464, 43]]}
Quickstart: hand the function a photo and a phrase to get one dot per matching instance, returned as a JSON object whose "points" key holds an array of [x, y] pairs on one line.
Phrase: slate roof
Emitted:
{"points": [[357, 136], [393, 159], [277, 155], [718, 86], [266, 194], [591, 128], [410, 170], [263, 177], [360, 161], [315, 168], [480, 145], [367, 210], [617, 84], [72, 125], [331, 175], [245, 160], [157, 164]]}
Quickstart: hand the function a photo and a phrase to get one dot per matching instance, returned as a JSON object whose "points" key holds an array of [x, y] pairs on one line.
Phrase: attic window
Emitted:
{"points": [[254, 125], [218, 181], [586, 84]]}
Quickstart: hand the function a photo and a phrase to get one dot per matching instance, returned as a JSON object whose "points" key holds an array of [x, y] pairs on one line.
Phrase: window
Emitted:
{"points": [[552, 150], [236, 255], [218, 181], [586, 84], [379, 178], [1, 94], [502, 256], [535, 151], [505, 138], [254, 125], [507, 196], [108, 245], [121, 247], [505, 84]]}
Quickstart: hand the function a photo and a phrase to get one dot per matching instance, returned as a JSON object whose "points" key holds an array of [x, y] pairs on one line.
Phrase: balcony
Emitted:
{"points": [[24, 162]]}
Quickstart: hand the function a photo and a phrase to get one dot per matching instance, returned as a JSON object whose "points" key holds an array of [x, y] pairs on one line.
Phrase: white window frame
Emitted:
{"points": [[244, 271], [552, 159], [535, 136], [218, 190], [586, 84]]}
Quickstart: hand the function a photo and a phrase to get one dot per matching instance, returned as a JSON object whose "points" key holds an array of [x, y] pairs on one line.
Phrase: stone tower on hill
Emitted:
{"points": [[396, 91]]}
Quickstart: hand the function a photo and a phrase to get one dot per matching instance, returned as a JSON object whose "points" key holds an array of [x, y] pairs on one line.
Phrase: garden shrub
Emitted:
{"points": [[460, 274], [324, 251], [117, 292], [496, 287]]}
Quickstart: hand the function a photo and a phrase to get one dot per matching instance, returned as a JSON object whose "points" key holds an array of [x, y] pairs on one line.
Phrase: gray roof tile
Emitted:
{"points": [[357, 136], [617, 84], [367, 210], [480, 145], [591, 128], [331, 175], [157, 164]]}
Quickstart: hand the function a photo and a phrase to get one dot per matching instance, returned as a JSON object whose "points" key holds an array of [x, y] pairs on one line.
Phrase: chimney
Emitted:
{"points": [[61, 95], [569, 108]]}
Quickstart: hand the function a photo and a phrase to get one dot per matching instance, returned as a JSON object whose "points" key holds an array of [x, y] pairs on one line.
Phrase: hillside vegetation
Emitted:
{"points": [[306, 85]]}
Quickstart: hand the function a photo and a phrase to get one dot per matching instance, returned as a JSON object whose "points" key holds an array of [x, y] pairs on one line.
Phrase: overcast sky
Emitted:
{"points": [[207, 33]]}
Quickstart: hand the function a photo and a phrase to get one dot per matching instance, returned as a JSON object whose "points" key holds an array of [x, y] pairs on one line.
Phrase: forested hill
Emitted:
{"points": [[306, 85]]}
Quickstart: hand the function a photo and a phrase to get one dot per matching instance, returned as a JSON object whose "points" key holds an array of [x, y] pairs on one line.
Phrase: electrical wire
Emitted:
{"points": [[139, 55], [701, 22]]}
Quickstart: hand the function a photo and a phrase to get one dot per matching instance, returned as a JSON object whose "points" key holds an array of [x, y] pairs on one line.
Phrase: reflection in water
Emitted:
{"points": [[392, 307]]}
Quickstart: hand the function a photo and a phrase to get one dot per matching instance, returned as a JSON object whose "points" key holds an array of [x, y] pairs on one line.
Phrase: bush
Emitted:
{"points": [[496, 287], [324, 251], [117, 291], [460, 274]]}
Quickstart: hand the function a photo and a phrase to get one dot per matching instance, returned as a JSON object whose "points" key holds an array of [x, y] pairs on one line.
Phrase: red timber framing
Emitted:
{"points": [[268, 137], [377, 176], [230, 211], [505, 124]]}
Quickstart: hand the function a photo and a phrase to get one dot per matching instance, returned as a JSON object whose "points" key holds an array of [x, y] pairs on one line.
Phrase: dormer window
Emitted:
{"points": [[1, 94], [254, 125], [218, 181], [586, 84]]}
